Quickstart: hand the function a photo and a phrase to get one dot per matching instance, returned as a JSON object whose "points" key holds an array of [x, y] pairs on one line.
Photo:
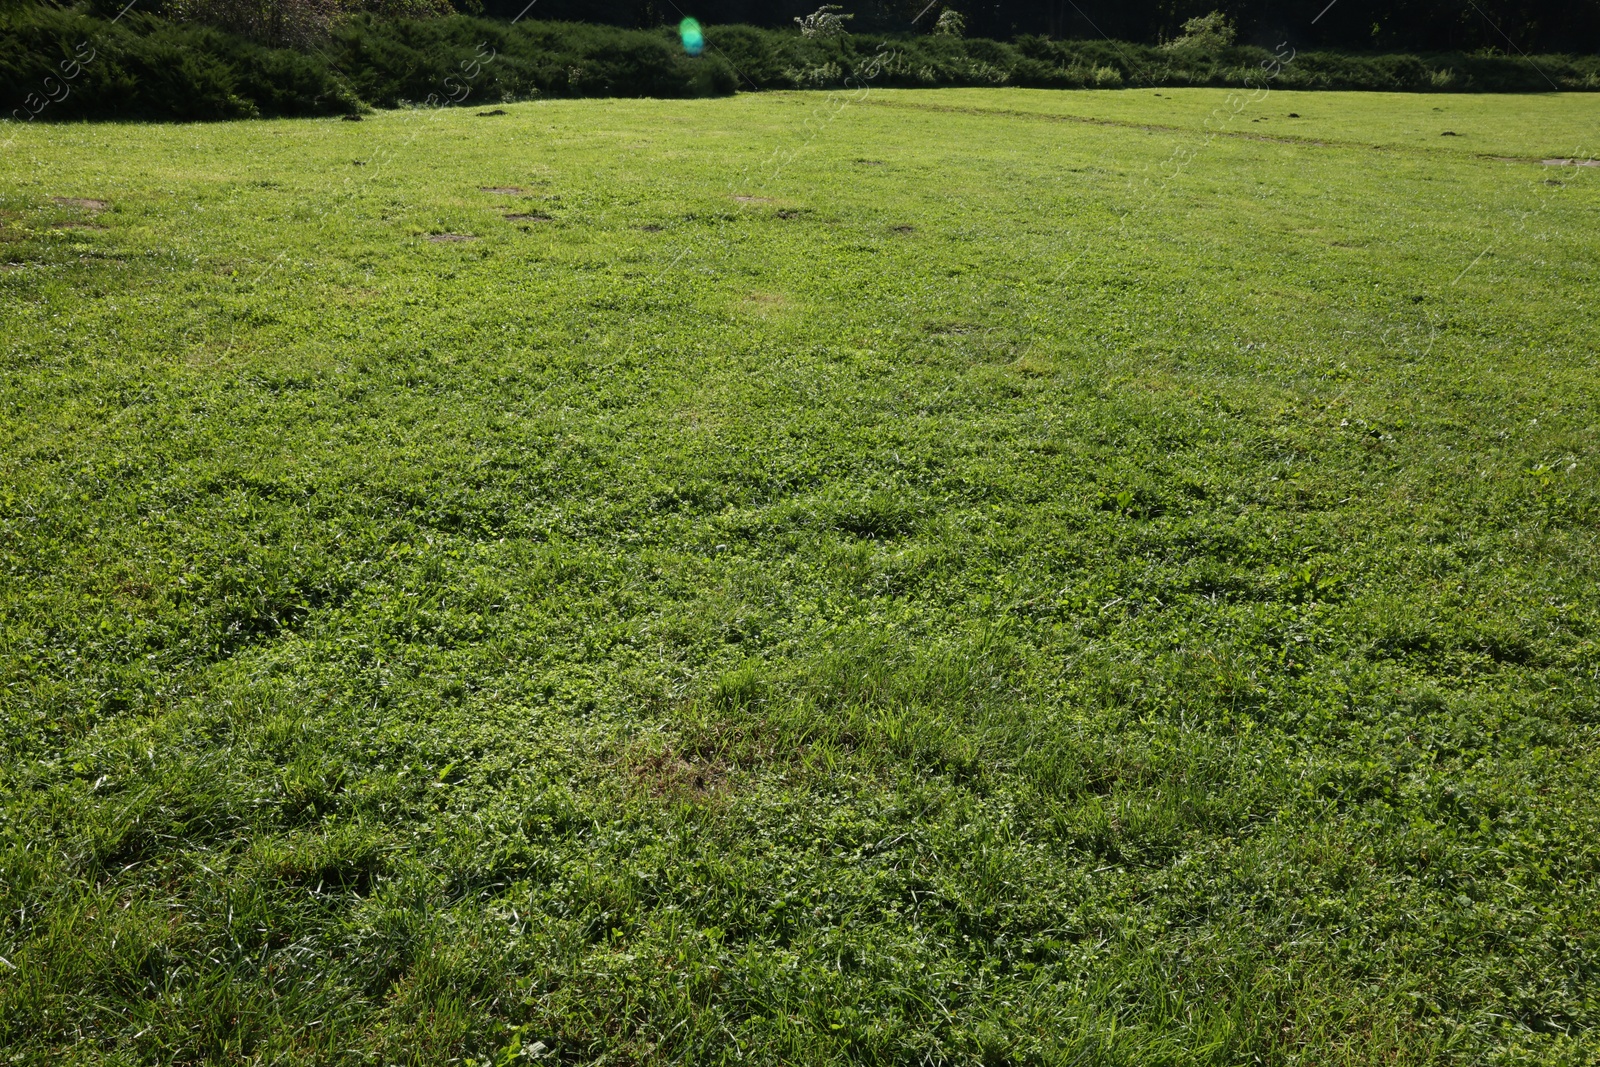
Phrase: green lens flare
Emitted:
{"points": [[694, 41]]}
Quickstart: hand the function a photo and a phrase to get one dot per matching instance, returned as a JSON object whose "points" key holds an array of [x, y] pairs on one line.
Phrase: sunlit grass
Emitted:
{"points": [[803, 579]]}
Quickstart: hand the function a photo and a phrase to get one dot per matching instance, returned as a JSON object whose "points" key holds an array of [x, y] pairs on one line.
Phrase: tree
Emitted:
{"points": [[1205, 34], [951, 23], [825, 21]]}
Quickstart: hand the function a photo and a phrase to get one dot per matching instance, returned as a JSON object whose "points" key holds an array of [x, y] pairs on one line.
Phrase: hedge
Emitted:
{"points": [[57, 64]]}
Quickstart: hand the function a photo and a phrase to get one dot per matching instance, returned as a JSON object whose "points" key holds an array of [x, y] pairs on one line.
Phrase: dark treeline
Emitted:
{"points": [[1366, 25]]}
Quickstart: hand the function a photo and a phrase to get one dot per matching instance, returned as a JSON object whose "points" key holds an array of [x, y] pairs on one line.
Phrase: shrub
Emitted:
{"points": [[294, 23], [145, 67], [1205, 34], [459, 59], [291, 23], [951, 23], [825, 21], [151, 67]]}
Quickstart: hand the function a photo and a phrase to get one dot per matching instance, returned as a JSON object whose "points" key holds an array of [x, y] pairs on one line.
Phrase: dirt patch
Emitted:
{"points": [[754, 199], [767, 300], [904, 228], [77, 226], [670, 776], [79, 201], [788, 213], [650, 227], [532, 216], [503, 190], [441, 238], [1571, 162]]}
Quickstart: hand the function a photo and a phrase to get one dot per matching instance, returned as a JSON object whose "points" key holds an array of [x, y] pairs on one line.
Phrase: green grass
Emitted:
{"points": [[1013, 590]]}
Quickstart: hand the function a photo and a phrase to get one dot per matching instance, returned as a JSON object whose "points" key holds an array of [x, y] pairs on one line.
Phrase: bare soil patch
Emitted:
{"points": [[670, 775]]}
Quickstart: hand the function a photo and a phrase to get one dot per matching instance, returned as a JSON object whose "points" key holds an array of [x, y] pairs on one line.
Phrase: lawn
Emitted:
{"points": [[905, 577]]}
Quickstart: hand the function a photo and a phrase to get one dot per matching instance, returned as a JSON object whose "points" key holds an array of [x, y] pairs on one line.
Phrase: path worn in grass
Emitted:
{"points": [[915, 587]]}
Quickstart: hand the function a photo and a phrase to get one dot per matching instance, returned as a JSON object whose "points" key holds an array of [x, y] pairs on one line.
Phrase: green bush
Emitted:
{"points": [[147, 67], [1205, 34], [469, 59]]}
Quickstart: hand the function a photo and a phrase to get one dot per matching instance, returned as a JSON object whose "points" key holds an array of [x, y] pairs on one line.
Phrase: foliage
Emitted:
{"points": [[150, 67], [1205, 33], [824, 22], [395, 63], [558, 582], [1533, 26], [773, 60], [68, 66], [951, 23], [153, 68], [296, 23]]}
